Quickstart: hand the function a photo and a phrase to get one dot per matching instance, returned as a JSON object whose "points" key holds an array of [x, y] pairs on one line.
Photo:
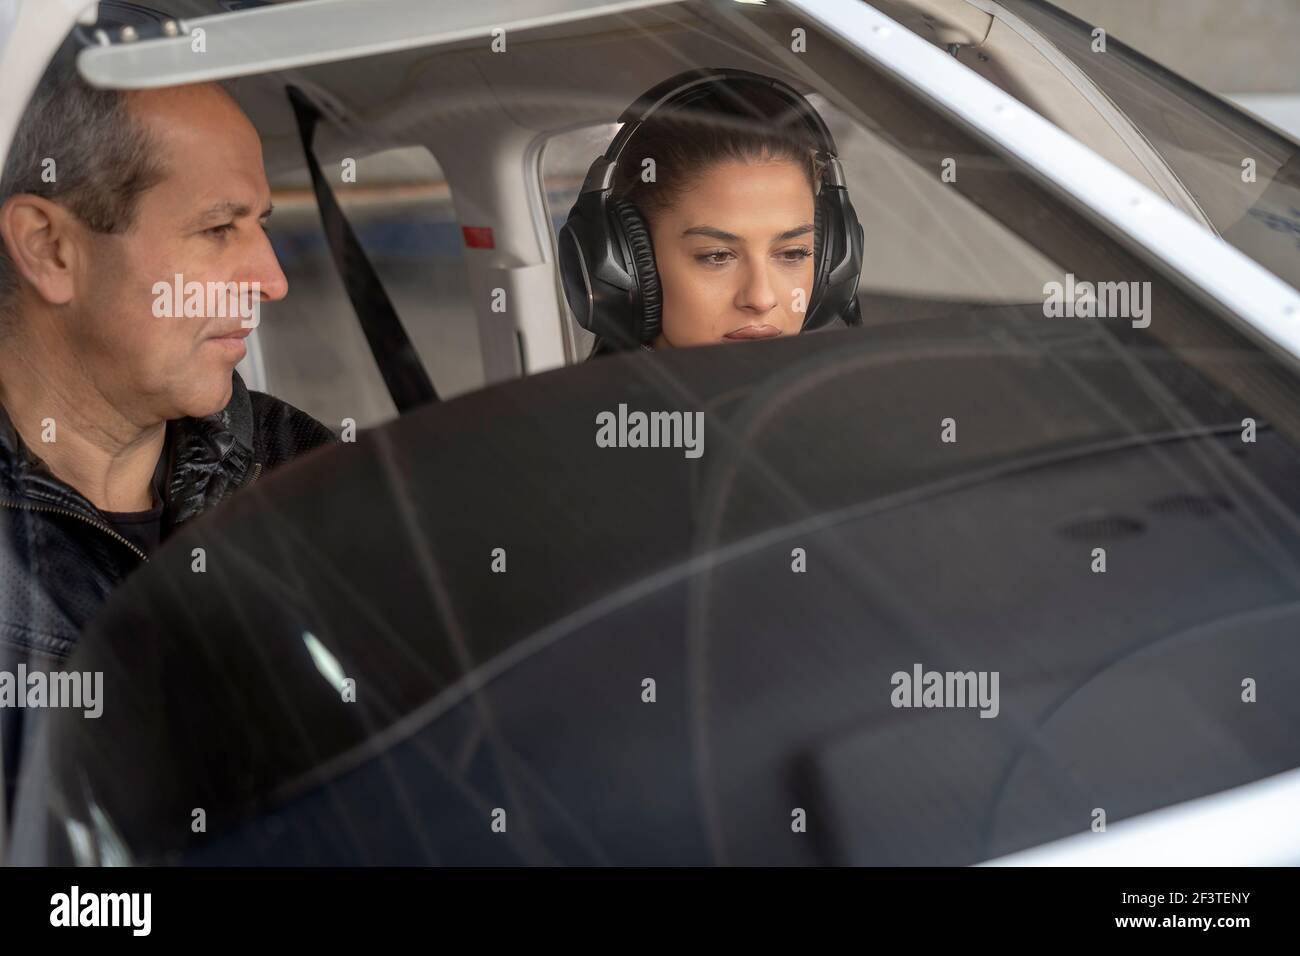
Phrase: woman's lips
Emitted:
{"points": [[754, 332]]}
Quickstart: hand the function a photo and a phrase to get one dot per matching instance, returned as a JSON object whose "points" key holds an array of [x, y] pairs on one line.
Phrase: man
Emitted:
{"points": [[121, 417]]}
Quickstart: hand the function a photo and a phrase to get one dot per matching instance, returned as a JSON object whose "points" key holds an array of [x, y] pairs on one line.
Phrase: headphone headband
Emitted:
{"points": [[676, 89]]}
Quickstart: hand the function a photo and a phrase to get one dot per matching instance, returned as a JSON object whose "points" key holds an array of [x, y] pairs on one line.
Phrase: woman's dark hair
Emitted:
{"points": [[726, 123]]}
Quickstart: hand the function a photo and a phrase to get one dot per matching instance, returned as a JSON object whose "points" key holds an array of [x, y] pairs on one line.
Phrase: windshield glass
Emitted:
{"points": [[480, 635]]}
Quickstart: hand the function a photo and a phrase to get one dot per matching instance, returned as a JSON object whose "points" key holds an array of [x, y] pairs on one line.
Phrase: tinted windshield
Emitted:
{"points": [[440, 622], [642, 656]]}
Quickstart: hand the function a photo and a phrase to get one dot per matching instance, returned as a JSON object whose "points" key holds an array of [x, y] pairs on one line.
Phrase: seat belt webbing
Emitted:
{"points": [[398, 362]]}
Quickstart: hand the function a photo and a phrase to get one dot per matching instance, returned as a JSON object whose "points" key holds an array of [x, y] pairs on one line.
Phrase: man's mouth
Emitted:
{"points": [[763, 331], [232, 342], [234, 334]]}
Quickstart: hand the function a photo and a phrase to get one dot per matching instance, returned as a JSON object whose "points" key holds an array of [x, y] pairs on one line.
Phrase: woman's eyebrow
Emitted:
{"points": [[725, 236], [712, 233], [795, 233]]}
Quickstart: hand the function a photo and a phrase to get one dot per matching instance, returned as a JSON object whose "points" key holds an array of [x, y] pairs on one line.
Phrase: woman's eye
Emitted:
{"points": [[794, 255], [718, 257]]}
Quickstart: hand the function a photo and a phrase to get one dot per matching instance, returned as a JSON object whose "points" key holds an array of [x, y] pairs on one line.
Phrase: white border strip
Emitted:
{"points": [[308, 32], [35, 30], [1252, 825], [1269, 306]]}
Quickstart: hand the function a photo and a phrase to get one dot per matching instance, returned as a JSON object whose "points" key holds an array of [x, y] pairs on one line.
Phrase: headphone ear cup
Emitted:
{"points": [[818, 226], [838, 262], [642, 253], [821, 267]]}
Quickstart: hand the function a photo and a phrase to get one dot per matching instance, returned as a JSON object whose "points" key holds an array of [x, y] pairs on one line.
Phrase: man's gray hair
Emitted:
{"points": [[103, 159]]}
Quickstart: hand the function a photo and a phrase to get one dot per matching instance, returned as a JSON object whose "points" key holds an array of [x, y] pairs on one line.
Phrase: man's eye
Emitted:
{"points": [[221, 231]]}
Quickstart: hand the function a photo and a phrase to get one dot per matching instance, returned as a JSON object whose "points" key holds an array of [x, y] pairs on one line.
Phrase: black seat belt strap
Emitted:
{"points": [[398, 362]]}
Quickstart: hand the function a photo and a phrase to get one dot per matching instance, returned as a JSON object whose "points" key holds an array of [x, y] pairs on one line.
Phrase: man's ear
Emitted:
{"points": [[41, 239]]}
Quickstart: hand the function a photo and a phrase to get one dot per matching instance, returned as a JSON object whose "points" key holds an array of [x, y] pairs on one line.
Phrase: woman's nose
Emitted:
{"points": [[758, 294]]}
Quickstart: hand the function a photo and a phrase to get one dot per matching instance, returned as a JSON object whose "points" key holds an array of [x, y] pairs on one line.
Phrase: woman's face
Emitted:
{"points": [[735, 255]]}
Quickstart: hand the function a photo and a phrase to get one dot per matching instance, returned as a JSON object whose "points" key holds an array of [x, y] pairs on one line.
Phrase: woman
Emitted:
{"points": [[712, 197]]}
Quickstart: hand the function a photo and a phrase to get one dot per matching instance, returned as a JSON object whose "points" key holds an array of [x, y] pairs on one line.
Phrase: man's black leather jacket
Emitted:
{"points": [[59, 558]]}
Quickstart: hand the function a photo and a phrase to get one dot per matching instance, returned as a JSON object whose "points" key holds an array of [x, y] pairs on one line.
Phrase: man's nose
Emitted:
{"points": [[265, 270], [758, 294]]}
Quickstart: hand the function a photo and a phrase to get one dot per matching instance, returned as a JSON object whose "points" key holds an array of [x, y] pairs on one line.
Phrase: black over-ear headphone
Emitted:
{"points": [[607, 261]]}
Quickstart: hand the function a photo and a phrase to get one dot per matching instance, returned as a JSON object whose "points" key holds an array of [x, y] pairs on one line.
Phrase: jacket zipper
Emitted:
{"points": [[257, 471], [80, 517]]}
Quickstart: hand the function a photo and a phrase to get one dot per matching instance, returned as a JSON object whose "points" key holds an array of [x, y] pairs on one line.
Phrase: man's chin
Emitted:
{"points": [[207, 395]]}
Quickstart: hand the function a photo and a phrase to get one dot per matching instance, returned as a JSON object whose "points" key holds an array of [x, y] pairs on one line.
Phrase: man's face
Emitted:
{"points": [[203, 221]]}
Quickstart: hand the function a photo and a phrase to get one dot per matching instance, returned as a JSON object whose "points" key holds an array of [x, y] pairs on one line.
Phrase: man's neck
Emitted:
{"points": [[81, 436]]}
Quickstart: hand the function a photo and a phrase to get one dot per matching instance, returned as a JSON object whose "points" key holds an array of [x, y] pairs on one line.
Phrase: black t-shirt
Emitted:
{"points": [[142, 528]]}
